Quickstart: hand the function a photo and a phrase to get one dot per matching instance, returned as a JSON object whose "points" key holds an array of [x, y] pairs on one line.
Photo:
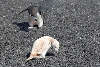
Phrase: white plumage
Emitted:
{"points": [[41, 46]]}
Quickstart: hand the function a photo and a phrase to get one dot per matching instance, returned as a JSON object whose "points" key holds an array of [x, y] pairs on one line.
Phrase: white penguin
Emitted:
{"points": [[41, 46]]}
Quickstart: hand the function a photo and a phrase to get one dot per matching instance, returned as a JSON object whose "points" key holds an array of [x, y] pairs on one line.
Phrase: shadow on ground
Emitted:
{"points": [[24, 26], [48, 54]]}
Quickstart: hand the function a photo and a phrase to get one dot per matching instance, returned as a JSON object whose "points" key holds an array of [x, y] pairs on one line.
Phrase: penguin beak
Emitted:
{"points": [[29, 58]]}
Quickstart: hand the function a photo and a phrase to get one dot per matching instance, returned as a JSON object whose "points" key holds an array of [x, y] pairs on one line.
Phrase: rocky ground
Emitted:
{"points": [[74, 23]]}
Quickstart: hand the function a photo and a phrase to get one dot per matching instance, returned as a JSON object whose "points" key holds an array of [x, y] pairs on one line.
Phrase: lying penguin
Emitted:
{"points": [[41, 46]]}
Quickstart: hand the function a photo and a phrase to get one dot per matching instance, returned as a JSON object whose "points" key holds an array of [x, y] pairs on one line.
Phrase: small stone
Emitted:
{"points": [[4, 16]]}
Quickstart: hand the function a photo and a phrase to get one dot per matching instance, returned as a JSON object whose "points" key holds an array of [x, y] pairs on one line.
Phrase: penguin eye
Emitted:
{"points": [[35, 19]]}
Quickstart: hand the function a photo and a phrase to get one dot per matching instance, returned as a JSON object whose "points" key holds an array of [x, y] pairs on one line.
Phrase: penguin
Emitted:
{"points": [[42, 45], [35, 17]]}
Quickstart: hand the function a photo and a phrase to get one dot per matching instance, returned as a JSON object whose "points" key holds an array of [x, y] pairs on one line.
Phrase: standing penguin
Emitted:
{"points": [[35, 17]]}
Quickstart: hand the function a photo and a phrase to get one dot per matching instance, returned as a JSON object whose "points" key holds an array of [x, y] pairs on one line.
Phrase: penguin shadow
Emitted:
{"points": [[24, 26], [48, 54]]}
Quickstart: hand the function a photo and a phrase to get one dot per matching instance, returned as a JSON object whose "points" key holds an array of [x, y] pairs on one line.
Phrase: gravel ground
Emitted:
{"points": [[74, 23]]}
